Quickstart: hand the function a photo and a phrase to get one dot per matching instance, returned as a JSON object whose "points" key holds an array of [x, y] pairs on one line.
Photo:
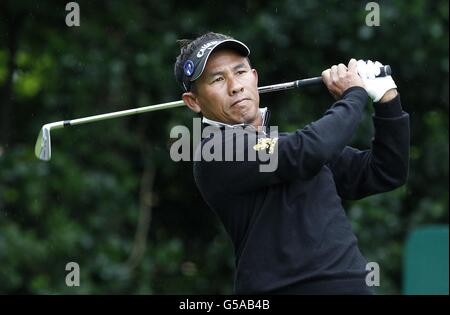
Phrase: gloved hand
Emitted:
{"points": [[376, 87]]}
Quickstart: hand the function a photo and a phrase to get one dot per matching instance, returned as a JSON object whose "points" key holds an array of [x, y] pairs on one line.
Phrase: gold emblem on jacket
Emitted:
{"points": [[266, 143]]}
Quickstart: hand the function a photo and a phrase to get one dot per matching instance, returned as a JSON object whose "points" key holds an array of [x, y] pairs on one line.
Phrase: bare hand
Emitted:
{"points": [[340, 78]]}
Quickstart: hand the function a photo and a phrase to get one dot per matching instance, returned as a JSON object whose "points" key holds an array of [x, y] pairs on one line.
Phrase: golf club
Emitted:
{"points": [[43, 149]]}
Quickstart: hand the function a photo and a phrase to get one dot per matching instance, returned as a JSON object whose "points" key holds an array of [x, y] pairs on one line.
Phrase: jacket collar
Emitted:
{"points": [[265, 115]]}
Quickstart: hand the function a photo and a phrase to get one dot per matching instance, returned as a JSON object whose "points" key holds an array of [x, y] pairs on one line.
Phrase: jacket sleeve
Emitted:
{"points": [[300, 154], [385, 166]]}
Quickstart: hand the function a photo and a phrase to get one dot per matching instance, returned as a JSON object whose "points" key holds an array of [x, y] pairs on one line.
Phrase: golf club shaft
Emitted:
{"points": [[122, 113], [386, 70], [140, 110], [289, 85]]}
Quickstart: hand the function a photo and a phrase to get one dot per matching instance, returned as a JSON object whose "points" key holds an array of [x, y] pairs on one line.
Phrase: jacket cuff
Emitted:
{"points": [[390, 109]]}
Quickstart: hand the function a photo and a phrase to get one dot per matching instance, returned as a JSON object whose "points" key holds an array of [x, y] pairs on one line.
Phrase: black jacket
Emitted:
{"points": [[288, 227]]}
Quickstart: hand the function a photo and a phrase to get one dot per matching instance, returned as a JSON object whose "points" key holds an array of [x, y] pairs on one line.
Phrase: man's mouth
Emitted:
{"points": [[239, 101]]}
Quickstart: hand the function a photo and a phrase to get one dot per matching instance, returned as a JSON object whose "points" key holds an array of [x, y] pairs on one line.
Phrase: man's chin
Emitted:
{"points": [[246, 116], [247, 120]]}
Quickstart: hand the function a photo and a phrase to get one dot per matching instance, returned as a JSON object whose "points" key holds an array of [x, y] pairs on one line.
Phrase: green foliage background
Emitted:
{"points": [[104, 178]]}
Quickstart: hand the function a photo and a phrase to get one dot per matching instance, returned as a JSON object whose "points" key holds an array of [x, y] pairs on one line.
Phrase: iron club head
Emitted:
{"points": [[43, 149]]}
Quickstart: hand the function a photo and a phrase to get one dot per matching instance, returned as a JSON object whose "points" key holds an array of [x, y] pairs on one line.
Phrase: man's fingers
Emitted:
{"points": [[352, 66], [378, 67], [334, 73], [370, 70], [342, 70], [326, 76], [361, 67]]}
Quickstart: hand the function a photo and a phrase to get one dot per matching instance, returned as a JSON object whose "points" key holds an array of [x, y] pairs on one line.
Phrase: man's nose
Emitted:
{"points": [[235, 86]]}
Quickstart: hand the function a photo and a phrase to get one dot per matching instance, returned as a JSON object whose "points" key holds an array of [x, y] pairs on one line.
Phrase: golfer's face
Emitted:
{"points": [[227, 90]]}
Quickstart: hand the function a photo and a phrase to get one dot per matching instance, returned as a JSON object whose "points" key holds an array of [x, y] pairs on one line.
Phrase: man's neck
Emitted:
{"points": [[257, 123]]}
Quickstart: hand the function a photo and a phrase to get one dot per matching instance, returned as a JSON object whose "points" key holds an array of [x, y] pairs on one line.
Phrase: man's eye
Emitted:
{"points": [[241, 71], [217, 79]]}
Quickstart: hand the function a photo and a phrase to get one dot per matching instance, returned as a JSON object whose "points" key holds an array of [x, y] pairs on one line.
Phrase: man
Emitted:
{"points": [[288, 227]]}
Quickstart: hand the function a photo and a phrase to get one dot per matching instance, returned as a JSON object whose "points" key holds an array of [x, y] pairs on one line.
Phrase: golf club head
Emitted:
{"points": [[42, 149]]}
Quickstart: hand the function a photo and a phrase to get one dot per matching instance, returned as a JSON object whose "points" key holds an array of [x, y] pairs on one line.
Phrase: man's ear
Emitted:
{"points": [[255, 73], [191, 100]]}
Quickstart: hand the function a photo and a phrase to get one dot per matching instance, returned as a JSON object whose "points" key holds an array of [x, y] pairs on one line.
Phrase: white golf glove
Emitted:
{"points": [[376, 87]]}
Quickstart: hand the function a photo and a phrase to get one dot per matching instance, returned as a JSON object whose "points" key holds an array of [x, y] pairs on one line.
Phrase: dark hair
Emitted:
{"points": [[187, 47]]}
